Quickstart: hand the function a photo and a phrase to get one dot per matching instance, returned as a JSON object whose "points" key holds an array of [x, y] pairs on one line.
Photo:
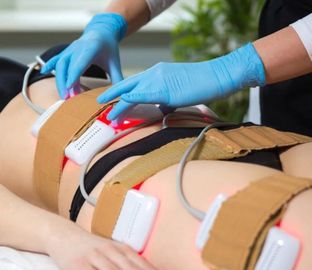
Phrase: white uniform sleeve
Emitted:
{"points": [[158, 6], [303, 28]]}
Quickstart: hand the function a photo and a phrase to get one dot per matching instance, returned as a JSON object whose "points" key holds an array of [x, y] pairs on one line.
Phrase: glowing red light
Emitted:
{"points": [[129, 123], [125, 124], [278, 224], [138, 186], [103, 116], [64, 162]]}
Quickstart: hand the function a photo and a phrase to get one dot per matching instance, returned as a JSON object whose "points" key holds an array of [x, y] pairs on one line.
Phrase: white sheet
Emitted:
{"points": [[12, 259]]}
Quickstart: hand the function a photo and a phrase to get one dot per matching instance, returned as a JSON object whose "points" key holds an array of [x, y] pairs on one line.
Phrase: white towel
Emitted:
{"points": [[12, 259]]}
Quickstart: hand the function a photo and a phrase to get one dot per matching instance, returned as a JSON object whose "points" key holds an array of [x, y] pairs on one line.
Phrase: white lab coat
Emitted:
{"points": [[303, 28]]}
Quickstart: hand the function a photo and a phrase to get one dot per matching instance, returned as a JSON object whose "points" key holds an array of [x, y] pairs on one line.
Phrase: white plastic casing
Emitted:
{"points": [[206, 225], [97, 136], [42, 119], [280, 251], [136, 219]]}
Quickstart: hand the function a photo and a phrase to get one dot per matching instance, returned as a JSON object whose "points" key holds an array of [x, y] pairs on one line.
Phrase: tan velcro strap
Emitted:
{"points": [[111, 201], [218, 145], [73, 116], [254, 138], [140, 170], [241, 226]]}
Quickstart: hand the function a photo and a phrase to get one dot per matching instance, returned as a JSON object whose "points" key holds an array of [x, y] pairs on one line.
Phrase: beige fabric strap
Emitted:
{"points": [[72, 117], [239, 231], [105, 216], [218, 144], [254, 138]]}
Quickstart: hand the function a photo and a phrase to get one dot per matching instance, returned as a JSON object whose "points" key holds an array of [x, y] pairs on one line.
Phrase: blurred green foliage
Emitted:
{"points": [[213, 28]]}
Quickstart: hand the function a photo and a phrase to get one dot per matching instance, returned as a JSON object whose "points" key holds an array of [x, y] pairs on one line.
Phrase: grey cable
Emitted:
{"points": [[25, 95], [35, 107], [198, 214], [91, 200], [42, 63]]}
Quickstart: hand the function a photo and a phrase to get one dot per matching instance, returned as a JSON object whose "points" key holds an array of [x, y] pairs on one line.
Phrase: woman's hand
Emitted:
{"points": [[98, 45], [185, 84], [30, 228], [75, 249]]}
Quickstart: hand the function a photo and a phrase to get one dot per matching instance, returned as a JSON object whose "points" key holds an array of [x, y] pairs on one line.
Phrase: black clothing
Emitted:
{"points": [[286, 105]]}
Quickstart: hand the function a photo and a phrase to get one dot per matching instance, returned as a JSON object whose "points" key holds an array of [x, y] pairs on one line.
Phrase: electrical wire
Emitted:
{"points": [[42, 63], [198, 214], [91, 200], [25, 95]]}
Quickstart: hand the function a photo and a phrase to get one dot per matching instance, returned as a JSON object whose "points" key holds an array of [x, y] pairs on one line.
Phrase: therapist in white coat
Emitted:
{"points": [[277, 57]]}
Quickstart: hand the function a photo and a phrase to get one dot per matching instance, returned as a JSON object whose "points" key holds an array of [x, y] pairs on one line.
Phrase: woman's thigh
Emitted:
{"points": [[297, 160], [172, 242], [175, 229]]}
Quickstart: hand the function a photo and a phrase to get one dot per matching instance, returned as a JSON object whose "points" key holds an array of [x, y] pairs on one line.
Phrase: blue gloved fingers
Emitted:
{"points": [[146, 95], [97, 45], [114, 67], [79, 62], [185, 84], [61, 76], [119, 108], [119, 88], [50, 65]]}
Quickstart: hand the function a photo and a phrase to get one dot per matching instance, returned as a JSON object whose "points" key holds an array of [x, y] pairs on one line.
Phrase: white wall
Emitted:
{"points": [[28, 27], [92, 5]]}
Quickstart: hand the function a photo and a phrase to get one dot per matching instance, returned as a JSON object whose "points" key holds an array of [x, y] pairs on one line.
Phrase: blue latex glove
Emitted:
{"points": [[185, 84], [98, 45]]}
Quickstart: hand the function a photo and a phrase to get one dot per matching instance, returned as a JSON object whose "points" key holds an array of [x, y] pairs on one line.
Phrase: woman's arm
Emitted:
{"points": [[283, 55], [138, 12], [24, 226], [135, 12]]}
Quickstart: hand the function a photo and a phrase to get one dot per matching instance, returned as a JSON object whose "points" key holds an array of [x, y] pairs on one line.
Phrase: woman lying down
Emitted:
{"points": [[153, 152]]}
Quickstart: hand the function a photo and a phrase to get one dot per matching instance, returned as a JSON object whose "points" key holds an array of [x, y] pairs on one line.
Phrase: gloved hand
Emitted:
{"points": [[185, 84], [98, 45]]}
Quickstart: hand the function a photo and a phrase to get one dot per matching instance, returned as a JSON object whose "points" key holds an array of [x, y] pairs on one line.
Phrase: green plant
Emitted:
{"points": [[214, 28]]}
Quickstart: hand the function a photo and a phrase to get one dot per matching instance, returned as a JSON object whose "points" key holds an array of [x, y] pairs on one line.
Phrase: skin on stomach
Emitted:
{"points": [[167, 249]]}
